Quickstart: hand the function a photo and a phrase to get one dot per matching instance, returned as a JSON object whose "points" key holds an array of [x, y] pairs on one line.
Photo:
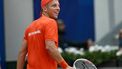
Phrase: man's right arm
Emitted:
{"points": [[22, 55], [55, 54]]}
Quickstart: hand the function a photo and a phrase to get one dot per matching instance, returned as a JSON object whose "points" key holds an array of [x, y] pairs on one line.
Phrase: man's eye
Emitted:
{"points": [[54, 5]]}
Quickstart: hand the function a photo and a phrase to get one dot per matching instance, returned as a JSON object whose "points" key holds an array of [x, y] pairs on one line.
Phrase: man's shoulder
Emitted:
{"points": [[48, 20], [31, 25], [42, 21], [35, 22]]}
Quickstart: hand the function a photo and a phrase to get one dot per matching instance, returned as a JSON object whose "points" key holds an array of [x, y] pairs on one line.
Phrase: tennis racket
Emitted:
{"points": [[83, 64]]}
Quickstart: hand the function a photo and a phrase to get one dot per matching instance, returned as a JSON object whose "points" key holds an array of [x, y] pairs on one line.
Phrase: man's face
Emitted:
{"points": [[53, 9]]}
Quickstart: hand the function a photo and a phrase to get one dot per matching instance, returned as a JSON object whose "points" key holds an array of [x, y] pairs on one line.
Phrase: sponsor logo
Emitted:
{"points": [[35, 32]]}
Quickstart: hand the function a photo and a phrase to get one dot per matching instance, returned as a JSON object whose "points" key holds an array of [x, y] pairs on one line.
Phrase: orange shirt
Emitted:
{"points": [[38, 31]]}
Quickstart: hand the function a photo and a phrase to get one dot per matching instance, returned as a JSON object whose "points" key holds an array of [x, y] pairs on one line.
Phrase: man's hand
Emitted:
{"points": [[70, 67]]}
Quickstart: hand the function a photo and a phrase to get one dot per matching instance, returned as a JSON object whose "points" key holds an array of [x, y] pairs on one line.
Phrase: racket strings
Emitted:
{"points": [[80, 65], [83, 64]]}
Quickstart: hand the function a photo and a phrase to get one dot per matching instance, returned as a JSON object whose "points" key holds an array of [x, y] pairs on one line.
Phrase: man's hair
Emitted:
{"points": [[44, 3]]}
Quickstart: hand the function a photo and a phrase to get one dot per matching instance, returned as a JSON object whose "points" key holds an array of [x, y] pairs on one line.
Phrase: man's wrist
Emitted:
{"points": [[63, 64]]}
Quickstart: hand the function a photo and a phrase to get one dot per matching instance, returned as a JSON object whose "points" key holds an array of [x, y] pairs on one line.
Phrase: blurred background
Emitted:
{"points": [[87, 29]]}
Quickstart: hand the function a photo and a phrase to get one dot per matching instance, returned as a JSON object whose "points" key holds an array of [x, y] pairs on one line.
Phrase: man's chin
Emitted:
{"points": [[55, 17]]}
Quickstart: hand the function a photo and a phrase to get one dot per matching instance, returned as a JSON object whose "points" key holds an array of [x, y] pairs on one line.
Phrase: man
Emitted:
{"points": [[61, 33], [0, 60], [119, 52], [41, 40]]}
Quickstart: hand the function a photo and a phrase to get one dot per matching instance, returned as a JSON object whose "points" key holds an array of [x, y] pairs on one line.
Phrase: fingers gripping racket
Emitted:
{"points": [[83, 64]]}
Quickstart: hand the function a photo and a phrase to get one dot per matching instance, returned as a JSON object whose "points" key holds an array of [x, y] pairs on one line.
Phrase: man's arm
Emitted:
{"points": [[55, 54], [22, 55]]}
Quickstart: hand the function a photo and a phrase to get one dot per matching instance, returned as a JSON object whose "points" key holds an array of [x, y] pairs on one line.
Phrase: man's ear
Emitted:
{"points": [[44, 9]]}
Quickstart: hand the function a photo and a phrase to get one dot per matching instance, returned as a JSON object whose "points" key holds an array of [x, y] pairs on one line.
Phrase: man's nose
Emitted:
{"points": [[58, 8]]}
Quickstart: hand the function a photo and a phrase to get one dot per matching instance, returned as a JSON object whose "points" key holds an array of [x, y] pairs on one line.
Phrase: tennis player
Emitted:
{"points": [[40, 40]]}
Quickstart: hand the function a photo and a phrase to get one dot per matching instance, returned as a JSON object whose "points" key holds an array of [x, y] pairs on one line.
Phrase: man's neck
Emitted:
{"points": [[45, 14]]}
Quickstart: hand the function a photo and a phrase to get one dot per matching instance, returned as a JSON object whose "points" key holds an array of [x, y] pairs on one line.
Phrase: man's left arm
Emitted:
{"points": [[22, 55]]}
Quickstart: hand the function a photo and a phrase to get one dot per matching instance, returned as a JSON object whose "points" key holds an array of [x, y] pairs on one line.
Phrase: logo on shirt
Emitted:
{"points": [[33, 33]]}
